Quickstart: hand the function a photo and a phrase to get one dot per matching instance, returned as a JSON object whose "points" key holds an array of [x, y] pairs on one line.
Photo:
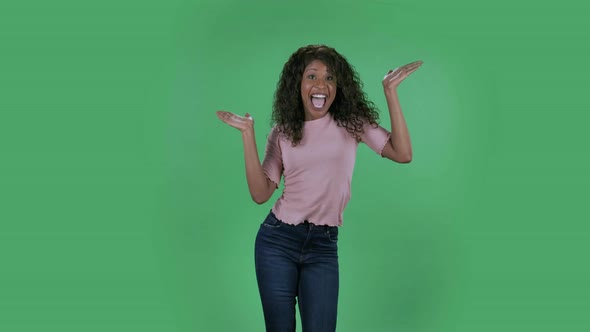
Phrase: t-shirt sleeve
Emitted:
{"points": [[376, 137], [273, 160]]}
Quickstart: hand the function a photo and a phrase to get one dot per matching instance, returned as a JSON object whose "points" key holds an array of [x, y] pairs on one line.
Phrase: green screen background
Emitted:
{"points": [[123, 200]]}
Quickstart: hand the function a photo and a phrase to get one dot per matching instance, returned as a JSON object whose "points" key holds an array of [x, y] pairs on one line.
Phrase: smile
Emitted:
{"points": [[318, 100]]}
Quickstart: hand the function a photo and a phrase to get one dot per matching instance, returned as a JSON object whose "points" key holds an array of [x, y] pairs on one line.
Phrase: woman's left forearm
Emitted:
{"points": [[400, 136]]}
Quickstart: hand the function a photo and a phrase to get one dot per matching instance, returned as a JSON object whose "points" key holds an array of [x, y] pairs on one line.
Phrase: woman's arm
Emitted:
{"points": [[261, 188], [399, 147]]}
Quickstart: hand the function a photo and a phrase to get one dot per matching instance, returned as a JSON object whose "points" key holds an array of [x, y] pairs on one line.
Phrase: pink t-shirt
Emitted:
{"points": [[318, 171]]}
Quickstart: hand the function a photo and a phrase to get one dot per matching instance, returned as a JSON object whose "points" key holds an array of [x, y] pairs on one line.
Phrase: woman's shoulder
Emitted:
{"points": [[274, 131], [275, 134]]}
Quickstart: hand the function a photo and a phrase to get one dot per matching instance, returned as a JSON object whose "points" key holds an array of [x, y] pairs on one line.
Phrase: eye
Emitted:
{"points": [[311, 76], [330, 78]]}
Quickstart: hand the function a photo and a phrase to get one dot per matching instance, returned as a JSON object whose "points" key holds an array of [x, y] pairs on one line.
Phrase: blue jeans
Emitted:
{"points": [[297, 262]]}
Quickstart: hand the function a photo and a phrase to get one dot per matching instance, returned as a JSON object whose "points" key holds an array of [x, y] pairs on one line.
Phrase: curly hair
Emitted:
{"points": [[351, 108]]}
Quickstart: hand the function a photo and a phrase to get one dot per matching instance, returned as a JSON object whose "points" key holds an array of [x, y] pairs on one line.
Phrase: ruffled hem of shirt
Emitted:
{"points": [[384, 144], [288, 220], [271, 180]]}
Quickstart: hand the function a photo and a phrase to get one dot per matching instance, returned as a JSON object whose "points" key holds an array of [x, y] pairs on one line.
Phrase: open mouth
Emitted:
{"points": [[318, 100]]}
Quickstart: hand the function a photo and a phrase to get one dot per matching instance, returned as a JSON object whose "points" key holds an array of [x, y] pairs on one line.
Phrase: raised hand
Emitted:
{"points": [[394, 77], [242, 123]]}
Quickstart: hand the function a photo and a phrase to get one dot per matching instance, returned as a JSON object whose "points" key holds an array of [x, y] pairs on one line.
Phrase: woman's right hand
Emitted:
{"points": [[261, 188], [242, 123]]}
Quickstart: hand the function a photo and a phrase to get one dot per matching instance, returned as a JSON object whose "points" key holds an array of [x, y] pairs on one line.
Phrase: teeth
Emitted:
{"points": [[319, 96]]}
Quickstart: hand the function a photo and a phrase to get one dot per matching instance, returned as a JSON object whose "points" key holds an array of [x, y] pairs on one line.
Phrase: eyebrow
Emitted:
{"points": [[314, 69]]}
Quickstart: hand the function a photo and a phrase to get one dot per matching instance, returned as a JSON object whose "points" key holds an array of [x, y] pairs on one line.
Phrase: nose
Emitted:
{"points": [[320, 82]]}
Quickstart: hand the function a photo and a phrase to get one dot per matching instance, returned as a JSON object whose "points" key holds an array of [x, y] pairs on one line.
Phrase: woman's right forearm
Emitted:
{"points": [[260, 187]]}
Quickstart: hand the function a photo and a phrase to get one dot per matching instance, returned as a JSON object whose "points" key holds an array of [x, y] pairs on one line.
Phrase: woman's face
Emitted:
{"points": [[318, 90]]}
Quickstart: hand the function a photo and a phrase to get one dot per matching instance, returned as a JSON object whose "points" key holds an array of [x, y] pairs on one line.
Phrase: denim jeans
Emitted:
{"points": [[297, 263]]}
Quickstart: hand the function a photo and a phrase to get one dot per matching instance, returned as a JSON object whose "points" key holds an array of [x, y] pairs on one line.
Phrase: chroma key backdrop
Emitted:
{"points": [[123, 198]]}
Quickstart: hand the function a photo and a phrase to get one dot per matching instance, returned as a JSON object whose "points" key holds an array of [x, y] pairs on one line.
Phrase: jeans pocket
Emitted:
{"points": [[333, 234], [271, 222]]}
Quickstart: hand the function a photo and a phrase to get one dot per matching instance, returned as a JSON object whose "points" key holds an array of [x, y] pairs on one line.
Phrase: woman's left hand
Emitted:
{"points": [[394, 77]]}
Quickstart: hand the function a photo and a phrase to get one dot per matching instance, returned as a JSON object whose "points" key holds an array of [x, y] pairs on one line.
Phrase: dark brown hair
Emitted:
{"points": [[351, 107]]}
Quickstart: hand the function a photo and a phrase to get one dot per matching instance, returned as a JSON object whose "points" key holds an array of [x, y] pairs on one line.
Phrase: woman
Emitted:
{"points": [[320, 114]]}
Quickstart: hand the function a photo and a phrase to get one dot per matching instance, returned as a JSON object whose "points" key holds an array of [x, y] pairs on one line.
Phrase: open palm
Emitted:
{"points": [[394, 77], [241, 123]]}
